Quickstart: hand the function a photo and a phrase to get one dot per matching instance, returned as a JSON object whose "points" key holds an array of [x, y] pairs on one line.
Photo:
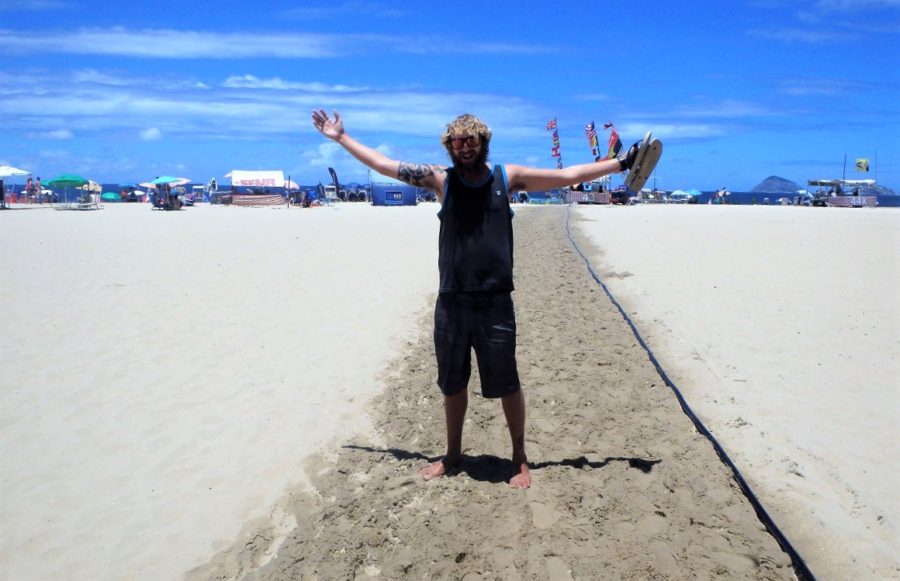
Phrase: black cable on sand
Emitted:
{"points": [[801, 570]]}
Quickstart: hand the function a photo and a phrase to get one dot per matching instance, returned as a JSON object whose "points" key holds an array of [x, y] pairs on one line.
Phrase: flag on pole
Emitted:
{"points": [[862, 164], [590, 132], [615, 144], [554, 151]]}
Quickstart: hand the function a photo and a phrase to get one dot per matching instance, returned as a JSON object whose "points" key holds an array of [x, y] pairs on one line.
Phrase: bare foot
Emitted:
{"points": [[523, 478], [437, 469]]}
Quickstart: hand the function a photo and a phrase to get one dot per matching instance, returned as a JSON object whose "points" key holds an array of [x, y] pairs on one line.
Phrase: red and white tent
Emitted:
{"points": [[256, 178]]}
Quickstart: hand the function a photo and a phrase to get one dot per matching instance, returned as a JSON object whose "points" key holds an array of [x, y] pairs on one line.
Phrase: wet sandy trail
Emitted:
{"points": [[624, 486]]}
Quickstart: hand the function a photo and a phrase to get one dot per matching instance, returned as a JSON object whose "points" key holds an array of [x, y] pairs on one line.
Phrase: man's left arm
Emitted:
{"points": [[526, 178]]}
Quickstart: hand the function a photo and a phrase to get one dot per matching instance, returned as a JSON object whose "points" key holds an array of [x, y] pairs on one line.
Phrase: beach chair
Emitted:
{"points": [[88, 201], [165, 201]]}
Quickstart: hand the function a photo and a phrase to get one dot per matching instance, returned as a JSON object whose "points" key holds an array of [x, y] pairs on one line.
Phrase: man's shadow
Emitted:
{"points": [[489, 468]]}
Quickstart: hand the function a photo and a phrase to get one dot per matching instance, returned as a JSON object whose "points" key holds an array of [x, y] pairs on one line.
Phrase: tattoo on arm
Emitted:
{"points": [[415, 173]]}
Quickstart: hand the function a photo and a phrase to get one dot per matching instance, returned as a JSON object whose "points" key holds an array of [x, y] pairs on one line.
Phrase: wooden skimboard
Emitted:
{"points": [[644, 164]]}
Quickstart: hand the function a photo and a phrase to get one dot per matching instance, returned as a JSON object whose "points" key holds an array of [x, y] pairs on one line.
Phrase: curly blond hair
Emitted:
{"points": [[467, 124]]}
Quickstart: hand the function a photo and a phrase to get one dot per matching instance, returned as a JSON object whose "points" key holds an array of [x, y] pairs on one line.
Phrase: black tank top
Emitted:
{"points": [[475, 245]]}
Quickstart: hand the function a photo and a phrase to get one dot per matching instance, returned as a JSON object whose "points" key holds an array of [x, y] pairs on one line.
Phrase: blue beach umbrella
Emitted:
{"points": [[171, 180]]}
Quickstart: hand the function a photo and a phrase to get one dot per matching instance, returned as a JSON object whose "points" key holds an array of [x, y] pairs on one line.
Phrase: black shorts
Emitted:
{"points": [[485, 322]]}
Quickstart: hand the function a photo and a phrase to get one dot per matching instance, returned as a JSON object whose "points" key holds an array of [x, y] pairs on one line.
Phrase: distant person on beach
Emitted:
{"points": [[474, 307]]}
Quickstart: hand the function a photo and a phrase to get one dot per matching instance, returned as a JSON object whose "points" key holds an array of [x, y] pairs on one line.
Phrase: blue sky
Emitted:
{"points": [[737, 91]]}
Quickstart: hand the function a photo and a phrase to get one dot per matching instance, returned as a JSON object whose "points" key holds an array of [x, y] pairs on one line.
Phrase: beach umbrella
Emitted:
{"points": [[171, 180], [67, 180], [9, 171], [111, 197]]}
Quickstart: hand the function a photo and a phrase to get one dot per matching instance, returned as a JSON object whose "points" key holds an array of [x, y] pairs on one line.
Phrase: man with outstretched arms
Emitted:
{"points": [[474, 309]]}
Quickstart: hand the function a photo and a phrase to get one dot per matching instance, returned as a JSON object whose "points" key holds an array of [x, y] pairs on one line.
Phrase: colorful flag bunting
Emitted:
{"points": [[551, 124]]}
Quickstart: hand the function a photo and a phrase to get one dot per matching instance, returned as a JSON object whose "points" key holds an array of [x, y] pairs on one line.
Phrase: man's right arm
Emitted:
{"points": [[419, 175]]}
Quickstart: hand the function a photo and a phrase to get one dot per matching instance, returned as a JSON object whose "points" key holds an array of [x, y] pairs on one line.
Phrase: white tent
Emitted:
{"points": [[256, 178]]}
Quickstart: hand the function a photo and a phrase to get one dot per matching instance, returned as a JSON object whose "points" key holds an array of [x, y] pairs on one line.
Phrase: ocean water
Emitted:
{"points": [[752, 198], [748, 198], [735, 198]]}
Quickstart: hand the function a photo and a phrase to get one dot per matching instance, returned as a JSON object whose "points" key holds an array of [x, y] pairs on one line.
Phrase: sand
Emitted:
{"points": [[624, 487], [782, 328], [237, 392], [163, 375]]}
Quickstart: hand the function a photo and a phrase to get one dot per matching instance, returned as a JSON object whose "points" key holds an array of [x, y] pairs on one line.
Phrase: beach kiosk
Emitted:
{"points": [[257, 187], [393, 195]]}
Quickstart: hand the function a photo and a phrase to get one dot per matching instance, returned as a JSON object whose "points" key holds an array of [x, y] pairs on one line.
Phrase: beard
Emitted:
{"points": [[479, 159]]}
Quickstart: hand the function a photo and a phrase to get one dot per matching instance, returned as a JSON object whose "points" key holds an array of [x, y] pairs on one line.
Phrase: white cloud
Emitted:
{"points": [[800, 35], [805, 87], [830, 21], [151, 134], [189, 44], [168, 43], [673, 131], [32, 5], [324, 155], [855, 5], [337, 9], [92, 76], [727, 109], [54, 134], [277, 83]]}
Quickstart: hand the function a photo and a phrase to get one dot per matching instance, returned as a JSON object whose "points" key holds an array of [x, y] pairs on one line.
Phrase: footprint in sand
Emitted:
{"points": [[545, 425], [543, 516], [557, 570]]}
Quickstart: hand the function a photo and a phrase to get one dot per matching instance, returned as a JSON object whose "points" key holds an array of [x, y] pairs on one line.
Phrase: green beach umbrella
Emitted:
{"points": [[67, 180]]}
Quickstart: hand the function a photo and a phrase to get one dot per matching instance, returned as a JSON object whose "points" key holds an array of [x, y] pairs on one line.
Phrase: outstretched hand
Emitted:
{"points": [[330, 128]]}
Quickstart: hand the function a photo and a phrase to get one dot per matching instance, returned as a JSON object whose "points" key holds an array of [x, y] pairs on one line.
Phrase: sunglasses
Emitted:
{"points": [[459, 142]]}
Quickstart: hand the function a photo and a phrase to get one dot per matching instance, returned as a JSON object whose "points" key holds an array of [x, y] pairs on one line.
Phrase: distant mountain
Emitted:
{"points": [[877, 190], [776, 185]]}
